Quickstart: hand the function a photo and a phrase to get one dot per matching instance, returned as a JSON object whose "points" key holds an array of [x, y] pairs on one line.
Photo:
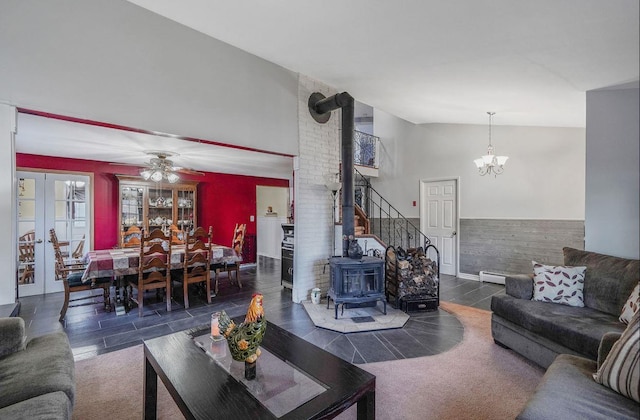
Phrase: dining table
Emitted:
{"points": [[119, 262]]}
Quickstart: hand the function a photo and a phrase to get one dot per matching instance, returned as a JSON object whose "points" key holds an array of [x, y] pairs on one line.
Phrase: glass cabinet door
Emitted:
{"points": [[132, 210], [160, 208], [185, 210]]}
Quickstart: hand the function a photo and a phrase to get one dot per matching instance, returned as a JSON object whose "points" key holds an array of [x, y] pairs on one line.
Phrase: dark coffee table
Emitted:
{"points": [[203, 389]]}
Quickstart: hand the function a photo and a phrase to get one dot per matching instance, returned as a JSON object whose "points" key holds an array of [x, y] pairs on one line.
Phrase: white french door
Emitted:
{"points": [[45, 201], [439, 220]]}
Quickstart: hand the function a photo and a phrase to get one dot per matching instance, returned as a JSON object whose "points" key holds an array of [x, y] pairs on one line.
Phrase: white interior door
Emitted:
{"points": [[51, 200], [439, 220]]}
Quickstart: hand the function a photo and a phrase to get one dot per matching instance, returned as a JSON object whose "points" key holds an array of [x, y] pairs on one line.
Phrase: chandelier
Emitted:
{"points": [[490, 163], [160, 168]]}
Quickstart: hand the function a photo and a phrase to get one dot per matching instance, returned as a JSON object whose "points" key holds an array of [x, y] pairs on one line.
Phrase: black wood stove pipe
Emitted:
{"points": [[321, 105]]}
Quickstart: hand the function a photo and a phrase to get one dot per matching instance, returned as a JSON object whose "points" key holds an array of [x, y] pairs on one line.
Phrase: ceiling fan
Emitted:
{"points": [[160, 168]]}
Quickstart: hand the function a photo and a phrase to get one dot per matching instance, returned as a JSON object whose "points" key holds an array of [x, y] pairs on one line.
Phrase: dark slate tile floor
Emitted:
{"points": [[92, 330]]}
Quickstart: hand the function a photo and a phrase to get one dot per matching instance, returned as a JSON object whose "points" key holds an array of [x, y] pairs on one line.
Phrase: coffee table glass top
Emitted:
{"points": [[279, 386]]}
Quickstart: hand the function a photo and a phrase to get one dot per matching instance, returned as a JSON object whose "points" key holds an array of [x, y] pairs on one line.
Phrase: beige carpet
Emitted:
{"points": [[475, 380]]}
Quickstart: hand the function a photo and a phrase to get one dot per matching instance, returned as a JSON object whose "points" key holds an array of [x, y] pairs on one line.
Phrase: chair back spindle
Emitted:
{"points": [[154, 268], [197, 260]]}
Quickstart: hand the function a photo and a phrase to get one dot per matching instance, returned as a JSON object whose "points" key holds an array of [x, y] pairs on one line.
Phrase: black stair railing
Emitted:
{"points": [[365, 149], [385, 221]]}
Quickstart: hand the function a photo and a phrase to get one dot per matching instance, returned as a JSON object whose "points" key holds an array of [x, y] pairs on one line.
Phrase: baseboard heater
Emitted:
{"points": [[486, 276]]}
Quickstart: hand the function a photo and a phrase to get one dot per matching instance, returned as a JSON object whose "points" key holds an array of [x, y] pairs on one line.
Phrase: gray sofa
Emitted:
{"points": [[540, 331], [568, 391], [36, 377]]}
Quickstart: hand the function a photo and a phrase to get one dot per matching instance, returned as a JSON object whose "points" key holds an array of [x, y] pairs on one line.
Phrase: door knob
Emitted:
{"points": [[39, 241], [454, 233]]}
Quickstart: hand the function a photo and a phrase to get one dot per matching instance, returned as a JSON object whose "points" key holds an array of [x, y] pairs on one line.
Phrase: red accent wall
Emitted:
{"points": [[223, 199]]}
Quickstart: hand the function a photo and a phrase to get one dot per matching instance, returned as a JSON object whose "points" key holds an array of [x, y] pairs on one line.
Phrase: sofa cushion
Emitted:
{"points": [[567, 391], [621, 369], [54, 405], [631, 305], [558, 284], [519, 286], [12, 335], [608, 280], [579, 329], [44, 366]]}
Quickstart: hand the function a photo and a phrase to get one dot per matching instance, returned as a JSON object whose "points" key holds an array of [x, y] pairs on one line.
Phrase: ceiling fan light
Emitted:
{"points": [[172, 177], [156, 176], [146, 174]]}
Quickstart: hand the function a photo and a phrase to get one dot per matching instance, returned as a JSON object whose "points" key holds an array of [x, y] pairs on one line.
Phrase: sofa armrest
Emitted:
{"points": [[519, 286], [12, 335], [607, 341]]}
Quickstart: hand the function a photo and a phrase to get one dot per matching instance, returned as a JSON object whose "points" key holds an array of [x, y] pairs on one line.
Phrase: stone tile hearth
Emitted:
{"points": [[355, 319]]}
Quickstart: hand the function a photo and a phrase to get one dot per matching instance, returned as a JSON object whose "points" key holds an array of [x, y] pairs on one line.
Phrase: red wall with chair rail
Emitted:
{"points": [[223, 199]]}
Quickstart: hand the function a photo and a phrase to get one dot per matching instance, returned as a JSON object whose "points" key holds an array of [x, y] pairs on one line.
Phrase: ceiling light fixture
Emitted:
{"points": [[160, 168], [490, 163]]}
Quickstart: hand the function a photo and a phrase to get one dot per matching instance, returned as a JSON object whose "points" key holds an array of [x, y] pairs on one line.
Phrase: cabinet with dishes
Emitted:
{"points": [[154, 205]]}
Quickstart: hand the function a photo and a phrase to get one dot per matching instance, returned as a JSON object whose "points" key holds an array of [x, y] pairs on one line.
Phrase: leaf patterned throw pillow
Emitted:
{"points": [[558, 284], [631, 306]]}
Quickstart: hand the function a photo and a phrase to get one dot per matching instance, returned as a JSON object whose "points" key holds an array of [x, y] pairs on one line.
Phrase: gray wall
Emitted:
{"points": [[508, 246], [612, 183], [112, 61]]}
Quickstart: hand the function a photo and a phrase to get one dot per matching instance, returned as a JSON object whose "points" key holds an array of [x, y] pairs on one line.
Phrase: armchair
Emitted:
{"points": [[37, 377]]}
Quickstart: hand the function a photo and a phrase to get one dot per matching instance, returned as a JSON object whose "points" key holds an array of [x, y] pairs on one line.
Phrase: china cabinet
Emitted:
{"points": [[153, 205]]}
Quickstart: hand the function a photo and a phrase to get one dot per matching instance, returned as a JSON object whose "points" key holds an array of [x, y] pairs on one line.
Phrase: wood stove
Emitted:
{"points": [[356, 283]]}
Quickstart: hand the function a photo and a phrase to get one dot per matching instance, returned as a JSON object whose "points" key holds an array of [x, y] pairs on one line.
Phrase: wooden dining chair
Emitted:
{"points": [[131, 237], [26, 257], [197, 257], [70, 273], [154, 269], [237, 243]]}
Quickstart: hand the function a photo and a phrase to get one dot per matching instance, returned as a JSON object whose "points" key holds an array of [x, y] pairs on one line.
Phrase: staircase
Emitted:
{"points": [[375, 216], [361, 222]]}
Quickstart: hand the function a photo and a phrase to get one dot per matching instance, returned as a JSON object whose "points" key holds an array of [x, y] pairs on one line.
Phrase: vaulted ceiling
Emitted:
{"points": [[439, 61]]}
